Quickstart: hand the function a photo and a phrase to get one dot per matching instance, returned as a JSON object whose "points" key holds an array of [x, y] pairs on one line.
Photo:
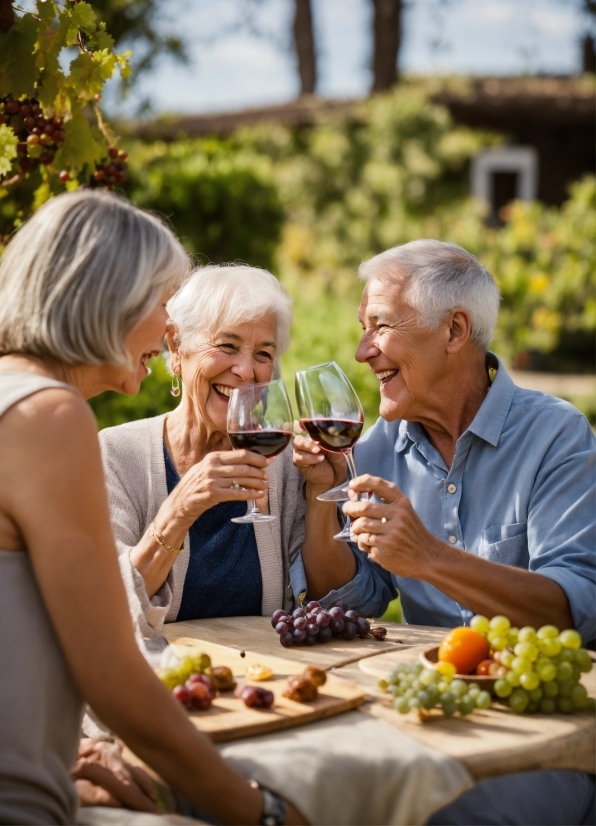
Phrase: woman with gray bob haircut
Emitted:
{"points": [[93, 270], [174, 483], [83, 289]]}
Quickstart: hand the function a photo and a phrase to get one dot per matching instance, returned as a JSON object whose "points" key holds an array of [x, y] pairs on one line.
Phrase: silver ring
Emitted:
{"points": [[383, 520]]}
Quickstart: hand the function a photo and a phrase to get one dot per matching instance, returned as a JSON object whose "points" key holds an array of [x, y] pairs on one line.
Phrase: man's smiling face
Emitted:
{"points": [[407, 358]]}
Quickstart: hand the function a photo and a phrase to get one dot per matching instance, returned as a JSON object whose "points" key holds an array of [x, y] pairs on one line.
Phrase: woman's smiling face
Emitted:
{"points": [[243, 354]]}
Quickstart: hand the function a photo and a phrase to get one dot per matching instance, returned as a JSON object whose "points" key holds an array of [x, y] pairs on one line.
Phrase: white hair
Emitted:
{"points": [[226, 295], [440, 277], [80, 274]]}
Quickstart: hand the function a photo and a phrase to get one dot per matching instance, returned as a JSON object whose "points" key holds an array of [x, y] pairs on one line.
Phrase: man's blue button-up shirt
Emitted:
{"points": [[521, 491]]}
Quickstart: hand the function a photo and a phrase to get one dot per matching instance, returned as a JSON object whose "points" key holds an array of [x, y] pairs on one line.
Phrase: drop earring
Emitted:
{"points": [[175, 391]]}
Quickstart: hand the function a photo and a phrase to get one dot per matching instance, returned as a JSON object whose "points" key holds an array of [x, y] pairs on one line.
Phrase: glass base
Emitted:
{"points": [[337, 494], [249, 518], [345, 535]]}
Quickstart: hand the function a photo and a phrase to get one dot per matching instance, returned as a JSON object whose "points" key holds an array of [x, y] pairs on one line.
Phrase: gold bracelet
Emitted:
{"points": [[162, 541]]}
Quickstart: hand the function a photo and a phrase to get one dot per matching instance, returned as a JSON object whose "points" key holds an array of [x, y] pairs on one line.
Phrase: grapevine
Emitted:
{"points": [[51, 127]]}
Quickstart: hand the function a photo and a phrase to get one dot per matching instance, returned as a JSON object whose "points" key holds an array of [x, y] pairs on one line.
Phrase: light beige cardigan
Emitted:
{"points": [[135, 474]]}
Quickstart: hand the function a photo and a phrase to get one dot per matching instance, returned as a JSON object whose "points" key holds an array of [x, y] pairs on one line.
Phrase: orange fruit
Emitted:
{"points": [[464, 648]]}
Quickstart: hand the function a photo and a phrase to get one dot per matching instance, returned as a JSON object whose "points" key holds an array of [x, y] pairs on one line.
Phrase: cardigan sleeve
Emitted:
{"points": [[292, 515], [129, 522]]}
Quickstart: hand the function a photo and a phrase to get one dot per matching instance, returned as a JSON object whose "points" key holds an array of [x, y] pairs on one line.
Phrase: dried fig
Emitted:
{"points": [[222, 678]]}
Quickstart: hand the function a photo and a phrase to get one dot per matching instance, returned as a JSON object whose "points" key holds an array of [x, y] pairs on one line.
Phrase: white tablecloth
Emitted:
{"points": [[352, 769]]}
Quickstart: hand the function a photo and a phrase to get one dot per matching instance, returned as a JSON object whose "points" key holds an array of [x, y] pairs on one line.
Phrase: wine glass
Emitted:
{"points": [[331, 414], [259, 419]]}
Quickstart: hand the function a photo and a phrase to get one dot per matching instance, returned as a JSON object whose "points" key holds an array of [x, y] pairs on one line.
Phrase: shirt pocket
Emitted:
{"points": [[507, 544]]}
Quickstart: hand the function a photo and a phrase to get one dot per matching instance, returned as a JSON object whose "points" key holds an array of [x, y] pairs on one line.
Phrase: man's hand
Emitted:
{"points": [[390, 531], [103, 778], [321, 469]]}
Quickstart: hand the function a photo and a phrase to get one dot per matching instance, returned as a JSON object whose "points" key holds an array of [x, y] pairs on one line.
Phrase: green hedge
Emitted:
{"points": [[311, 203]]}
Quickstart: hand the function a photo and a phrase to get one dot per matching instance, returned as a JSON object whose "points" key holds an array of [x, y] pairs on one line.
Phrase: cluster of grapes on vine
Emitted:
{"points": [[52, 133]]}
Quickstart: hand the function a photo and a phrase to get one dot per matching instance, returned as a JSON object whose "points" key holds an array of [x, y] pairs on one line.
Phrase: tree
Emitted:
{"points": [[304, 44], [387, 33], [52, 133], [141, 26]]}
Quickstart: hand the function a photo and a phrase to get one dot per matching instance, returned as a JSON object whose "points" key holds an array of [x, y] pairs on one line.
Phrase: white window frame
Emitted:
{"points": [[523, 160]]}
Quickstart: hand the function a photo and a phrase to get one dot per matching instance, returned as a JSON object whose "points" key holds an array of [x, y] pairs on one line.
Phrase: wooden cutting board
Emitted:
{"points": [[494, 741], [230, 719], [256, 634]]}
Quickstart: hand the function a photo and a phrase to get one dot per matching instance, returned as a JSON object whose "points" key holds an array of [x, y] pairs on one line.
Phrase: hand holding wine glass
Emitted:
{"points": [[260, 420]]}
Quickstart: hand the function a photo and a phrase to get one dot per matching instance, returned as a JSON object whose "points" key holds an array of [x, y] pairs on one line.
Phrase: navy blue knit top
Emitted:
{"points": [[224, 574]]}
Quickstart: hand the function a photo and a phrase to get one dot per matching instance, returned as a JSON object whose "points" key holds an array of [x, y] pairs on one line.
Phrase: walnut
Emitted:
{"points": [[316, 675], [379, 633], [301, 689]]}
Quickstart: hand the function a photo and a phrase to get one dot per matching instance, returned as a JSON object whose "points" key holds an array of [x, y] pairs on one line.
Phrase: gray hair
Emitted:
{"points": [[218, 296], [441, 276], [81, 273]]}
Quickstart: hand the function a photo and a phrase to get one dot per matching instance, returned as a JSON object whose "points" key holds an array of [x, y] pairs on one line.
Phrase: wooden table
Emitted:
{"points": [[489, 743]]}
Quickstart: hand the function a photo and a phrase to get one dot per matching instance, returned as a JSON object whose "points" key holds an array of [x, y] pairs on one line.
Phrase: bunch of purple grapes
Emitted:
{"points": [[307, 626]]}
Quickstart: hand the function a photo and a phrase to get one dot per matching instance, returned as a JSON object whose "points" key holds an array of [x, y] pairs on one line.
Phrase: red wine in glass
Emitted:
{"points": [[259, 420], [336, 435], [265, 442]]}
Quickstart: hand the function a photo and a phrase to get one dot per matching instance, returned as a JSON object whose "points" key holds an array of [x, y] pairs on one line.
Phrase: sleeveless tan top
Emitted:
{"points": [[40, 707]]}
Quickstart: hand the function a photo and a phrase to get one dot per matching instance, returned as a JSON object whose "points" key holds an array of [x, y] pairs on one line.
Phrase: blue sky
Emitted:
{"points": [[496, 37]]}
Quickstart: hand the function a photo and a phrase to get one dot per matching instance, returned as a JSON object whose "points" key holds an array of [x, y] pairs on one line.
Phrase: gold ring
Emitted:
{"points": [[235, 484], [383, 520]]}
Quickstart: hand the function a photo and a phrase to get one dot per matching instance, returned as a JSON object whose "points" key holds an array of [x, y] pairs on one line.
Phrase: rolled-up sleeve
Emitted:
{"points": [[562, 525], [369, 592]]}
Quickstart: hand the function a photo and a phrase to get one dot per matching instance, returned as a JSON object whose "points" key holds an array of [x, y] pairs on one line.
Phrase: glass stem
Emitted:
{"points": [[253, 506], [352, 473]]}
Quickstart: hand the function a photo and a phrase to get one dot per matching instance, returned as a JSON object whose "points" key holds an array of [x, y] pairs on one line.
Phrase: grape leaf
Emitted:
{"points": [[51, 42], [89, 72], [8, 148], [79, 148], [101, 40], [83, 17], [16, 47], [46, 12], [49, 91]]}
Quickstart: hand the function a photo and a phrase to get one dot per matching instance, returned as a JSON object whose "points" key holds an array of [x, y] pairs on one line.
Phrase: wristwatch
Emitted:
{"points": [[274, 808]]}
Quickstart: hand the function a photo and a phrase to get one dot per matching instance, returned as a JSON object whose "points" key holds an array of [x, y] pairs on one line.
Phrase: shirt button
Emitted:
{"points": [[453, 539], [451, 488]]}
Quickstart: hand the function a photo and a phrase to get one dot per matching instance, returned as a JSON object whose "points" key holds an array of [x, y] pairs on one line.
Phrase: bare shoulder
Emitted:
{"points": [[48, 418]]}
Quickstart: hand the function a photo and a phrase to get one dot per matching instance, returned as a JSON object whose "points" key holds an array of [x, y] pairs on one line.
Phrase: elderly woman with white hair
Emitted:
{"points": [[174, 483]]}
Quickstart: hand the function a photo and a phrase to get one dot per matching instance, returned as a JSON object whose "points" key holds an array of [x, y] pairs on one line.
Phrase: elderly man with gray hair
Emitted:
{"points": [[483, 492]]}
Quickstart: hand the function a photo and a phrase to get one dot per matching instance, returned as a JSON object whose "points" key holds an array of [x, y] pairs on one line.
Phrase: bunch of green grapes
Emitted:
{"points": [[415, 687], [539, 670], [180, 669]]}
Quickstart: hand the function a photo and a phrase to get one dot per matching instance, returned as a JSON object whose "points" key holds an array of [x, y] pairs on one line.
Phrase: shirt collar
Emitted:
{"points": [[488, 421]]}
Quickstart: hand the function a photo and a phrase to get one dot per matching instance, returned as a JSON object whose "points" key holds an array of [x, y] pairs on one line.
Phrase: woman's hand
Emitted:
{"points": [[222, 476], [103, 778], [321, 469], [389, 531]]}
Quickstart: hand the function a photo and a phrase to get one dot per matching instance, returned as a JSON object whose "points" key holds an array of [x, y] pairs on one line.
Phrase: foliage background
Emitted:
{"points": [[311, 203]]}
